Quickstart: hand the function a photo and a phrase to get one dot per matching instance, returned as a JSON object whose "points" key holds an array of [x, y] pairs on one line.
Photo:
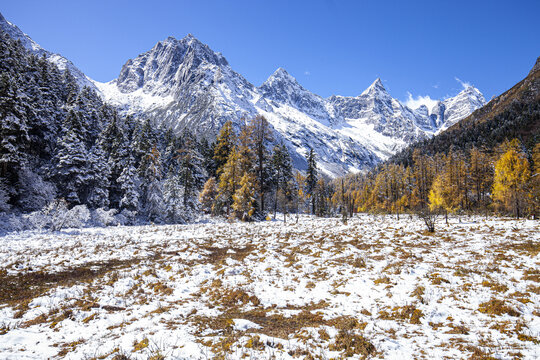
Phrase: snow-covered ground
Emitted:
{"points": [[317, 289]]}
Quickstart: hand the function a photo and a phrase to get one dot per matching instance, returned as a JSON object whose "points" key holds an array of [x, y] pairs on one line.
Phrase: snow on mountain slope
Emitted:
{"points": [[184, 84], [282, 88], [61, 62], [461, 106]]}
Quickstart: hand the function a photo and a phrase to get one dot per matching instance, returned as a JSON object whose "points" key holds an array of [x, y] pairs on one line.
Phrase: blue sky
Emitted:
{"points": [[330, 46]]}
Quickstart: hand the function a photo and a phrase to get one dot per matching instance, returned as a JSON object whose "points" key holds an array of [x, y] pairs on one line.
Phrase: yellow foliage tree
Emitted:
{"points": [[511, 176], [439, 197], [208, 196], [225, 142], [244, 198], [229, 179]]}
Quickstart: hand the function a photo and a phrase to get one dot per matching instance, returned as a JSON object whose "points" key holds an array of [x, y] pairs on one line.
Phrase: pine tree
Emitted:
{"points": [[129, 183], [261, 136], [4, 197], [207, 152], [34, 192], [311, 178], [115, 144], [282, 175], [14, 130], [154, 191], [173, 195], [244, 198], [71, 160], [144, 139], [97, 183], [191, 168]]}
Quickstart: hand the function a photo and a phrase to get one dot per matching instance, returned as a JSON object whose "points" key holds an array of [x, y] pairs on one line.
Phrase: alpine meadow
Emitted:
{"points": [[178, 211]]}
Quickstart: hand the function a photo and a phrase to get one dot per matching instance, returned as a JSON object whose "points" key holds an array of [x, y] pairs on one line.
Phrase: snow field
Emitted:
{"points": [[319, 289]]}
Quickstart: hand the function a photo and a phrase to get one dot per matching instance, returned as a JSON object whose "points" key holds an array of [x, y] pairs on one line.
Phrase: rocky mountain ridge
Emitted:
{"points": [[183, 83]]}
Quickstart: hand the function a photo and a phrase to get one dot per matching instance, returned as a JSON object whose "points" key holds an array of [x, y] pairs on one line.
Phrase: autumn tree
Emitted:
{"points": [[511, 176], [244, 198], [229, 180], [423, 176], [208, 196], [225, 142], [301, 198], [440, 196]]}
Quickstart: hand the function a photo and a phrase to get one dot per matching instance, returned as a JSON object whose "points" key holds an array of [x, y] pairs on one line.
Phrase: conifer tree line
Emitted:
{"points": [[62, 143], [504, 180]]}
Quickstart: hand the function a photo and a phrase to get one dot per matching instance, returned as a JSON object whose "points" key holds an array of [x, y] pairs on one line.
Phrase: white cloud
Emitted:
{"points": [[463, 83], [307, 73], [415, 103]]}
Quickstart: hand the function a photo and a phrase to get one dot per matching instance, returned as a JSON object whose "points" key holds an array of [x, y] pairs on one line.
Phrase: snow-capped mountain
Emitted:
{"points": [[185, 84], [61, 62]]}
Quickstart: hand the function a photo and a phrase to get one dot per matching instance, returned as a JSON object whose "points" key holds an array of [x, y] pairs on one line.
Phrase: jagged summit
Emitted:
{"points": [[280, 77], [279, 73], [168, 65], [376, 87]]}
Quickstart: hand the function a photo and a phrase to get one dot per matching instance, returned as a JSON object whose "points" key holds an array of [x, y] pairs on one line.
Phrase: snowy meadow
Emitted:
{"points": [[375, 287]]}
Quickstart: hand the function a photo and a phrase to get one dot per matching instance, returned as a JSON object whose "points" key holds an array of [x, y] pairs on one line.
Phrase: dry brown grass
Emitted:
{"points": [[404, 313], [351, 344], [497, 307]]}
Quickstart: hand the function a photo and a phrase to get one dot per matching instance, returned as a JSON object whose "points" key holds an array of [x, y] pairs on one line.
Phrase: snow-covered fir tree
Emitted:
{"points": [[129, 184]]}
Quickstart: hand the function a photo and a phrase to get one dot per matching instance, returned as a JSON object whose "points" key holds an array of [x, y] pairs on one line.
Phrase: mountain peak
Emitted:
{"points": [[280, 76], [376, 87], [471, 92], [190, 39]]}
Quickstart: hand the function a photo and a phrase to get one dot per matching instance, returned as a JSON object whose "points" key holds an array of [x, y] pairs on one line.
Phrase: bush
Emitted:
{"points": [[77, 217], [59, 216], [102, 217]]}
